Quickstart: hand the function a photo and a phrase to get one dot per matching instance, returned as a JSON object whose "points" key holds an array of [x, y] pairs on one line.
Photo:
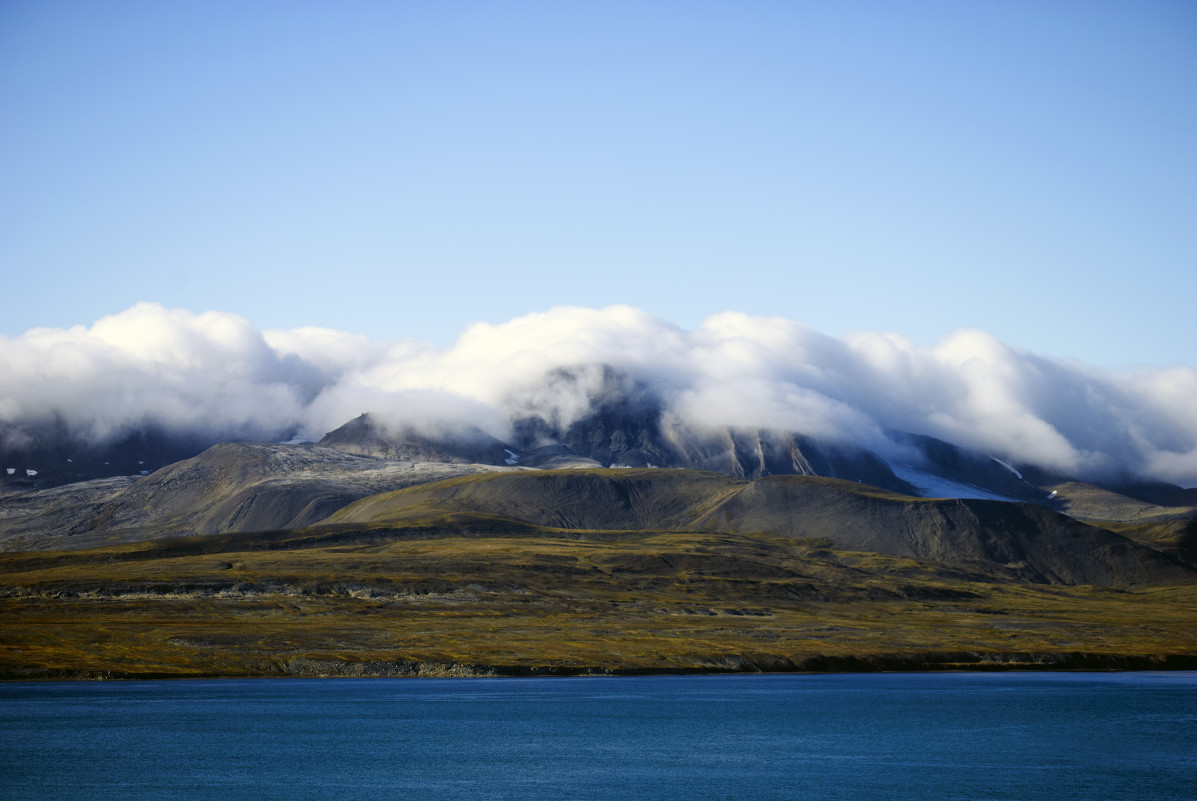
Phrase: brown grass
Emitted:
{"points": [[392, 600]]}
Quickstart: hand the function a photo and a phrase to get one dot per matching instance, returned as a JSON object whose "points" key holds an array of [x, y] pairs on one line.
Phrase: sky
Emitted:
{"points": [[402, 170]]}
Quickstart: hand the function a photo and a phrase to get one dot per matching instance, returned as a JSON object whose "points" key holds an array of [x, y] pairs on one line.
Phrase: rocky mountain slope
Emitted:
{"points": [[229, 487], [1021, 541]]}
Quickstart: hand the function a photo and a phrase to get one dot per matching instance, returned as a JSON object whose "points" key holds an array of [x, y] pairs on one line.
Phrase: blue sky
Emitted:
{"points": [[401, 170]]}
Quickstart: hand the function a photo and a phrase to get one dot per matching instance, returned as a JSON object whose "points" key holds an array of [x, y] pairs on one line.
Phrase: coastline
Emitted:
{"points": [[304, 668]]}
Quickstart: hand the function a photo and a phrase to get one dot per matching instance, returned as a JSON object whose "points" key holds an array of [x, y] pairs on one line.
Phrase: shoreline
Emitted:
{"points": [[302, 668]]}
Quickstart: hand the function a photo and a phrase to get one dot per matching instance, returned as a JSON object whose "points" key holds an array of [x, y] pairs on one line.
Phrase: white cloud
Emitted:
{"points": [[216, 373]]}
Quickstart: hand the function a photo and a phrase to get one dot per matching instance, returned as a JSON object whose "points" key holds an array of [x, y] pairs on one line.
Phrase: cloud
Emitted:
{"points": [[209, 373], [216, 374]]}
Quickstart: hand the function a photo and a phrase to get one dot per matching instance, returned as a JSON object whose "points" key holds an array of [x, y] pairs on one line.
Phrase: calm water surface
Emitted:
{"points": [[893, 736]]}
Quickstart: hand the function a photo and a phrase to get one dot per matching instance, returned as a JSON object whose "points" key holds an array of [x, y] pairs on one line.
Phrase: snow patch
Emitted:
{"points": [[1008, 467], [930, 485], [298, 439], [512, 456]]}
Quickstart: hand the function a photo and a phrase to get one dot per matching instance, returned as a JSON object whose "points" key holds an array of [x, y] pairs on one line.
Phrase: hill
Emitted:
{"points": [[228, 487], [1017, 540]]}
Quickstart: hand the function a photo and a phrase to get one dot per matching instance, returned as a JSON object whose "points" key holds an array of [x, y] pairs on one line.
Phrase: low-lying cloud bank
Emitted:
{"points": [[218, 375]]}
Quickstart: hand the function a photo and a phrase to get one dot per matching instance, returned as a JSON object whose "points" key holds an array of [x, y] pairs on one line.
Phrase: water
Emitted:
{"points": [[893, 736]]}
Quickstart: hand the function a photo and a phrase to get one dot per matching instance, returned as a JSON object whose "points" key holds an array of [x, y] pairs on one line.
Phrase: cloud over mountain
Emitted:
{"points": [[216, 374]]}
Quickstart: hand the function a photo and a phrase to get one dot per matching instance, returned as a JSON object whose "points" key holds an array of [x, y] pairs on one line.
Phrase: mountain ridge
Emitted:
{"points": [[1021, 541]]}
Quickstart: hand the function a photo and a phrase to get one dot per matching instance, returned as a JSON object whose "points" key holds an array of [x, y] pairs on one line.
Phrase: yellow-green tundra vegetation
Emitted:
{"points": [[466, 577]]}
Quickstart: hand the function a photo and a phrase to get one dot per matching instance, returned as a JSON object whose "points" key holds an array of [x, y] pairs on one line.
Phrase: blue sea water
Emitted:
{"points": [[1018, 736]]}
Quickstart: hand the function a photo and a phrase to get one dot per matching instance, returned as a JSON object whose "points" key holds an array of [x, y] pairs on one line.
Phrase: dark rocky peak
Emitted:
{"points": [[597, 412], [368, 436], [48, 454], [616, 420]]}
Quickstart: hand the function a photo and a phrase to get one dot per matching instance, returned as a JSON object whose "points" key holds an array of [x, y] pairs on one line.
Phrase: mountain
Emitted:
{"points": [[366, 436], [1020, 541], [394, 549], [626, 424], [49, 455], [366, 473], [228, 487], [616, 421], [589, 416]]}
